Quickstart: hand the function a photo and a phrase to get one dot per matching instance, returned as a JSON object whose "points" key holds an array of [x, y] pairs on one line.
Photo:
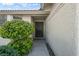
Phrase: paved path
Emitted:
{"points": [[39, 49], [4, 41]]}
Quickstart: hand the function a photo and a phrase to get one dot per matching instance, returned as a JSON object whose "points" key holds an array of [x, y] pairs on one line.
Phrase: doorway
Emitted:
{"points": [[39, 29]]}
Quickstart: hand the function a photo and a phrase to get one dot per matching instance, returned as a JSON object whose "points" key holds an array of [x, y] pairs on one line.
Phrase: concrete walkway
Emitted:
{"points": [[39, 49]]}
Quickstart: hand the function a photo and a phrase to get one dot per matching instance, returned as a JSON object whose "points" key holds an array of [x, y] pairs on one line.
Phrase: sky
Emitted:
{"points": [[19, 6]]}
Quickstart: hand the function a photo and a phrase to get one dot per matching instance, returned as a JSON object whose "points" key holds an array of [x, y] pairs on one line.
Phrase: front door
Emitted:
{"points": [[39, 29]]}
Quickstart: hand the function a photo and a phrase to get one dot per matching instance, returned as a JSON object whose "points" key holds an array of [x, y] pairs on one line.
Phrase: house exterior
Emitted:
{"points": [[57, 23]]}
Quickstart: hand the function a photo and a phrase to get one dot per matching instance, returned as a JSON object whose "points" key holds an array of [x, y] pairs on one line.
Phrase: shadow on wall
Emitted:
{"points": [[51, 53]]}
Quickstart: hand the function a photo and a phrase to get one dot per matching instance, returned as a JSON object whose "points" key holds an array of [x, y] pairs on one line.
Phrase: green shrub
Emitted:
{"points": [[16, 29], [23, 46], [8, 51], [19, 31]]}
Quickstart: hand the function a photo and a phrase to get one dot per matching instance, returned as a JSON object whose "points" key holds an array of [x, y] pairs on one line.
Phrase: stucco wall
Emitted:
{"points": [[9, 17], [77, 28], [26, 18], [60, 30]]}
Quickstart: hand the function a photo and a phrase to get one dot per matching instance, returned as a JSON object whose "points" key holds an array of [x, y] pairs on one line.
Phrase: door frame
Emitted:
{"points": [[43, 29]]}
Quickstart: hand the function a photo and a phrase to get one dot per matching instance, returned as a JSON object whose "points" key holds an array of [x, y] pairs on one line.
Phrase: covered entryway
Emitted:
{"points": [[39, 23]]}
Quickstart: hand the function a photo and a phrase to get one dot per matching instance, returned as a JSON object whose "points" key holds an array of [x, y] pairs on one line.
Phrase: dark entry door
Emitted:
{"points": [[38, 29]]}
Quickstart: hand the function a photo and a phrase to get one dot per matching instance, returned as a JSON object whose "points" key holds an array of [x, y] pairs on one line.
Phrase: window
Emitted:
{"points": [[16, 17]]}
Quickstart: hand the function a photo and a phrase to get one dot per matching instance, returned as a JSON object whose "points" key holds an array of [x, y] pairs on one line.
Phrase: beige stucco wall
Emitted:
{"points": [[27, 18], [60, 30], [9, 17], [77, 28]]}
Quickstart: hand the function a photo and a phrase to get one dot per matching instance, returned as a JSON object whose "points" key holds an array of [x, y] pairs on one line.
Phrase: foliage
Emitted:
{"points": [[8, 51], [19, 31], [23, 46], [16, 29]]}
